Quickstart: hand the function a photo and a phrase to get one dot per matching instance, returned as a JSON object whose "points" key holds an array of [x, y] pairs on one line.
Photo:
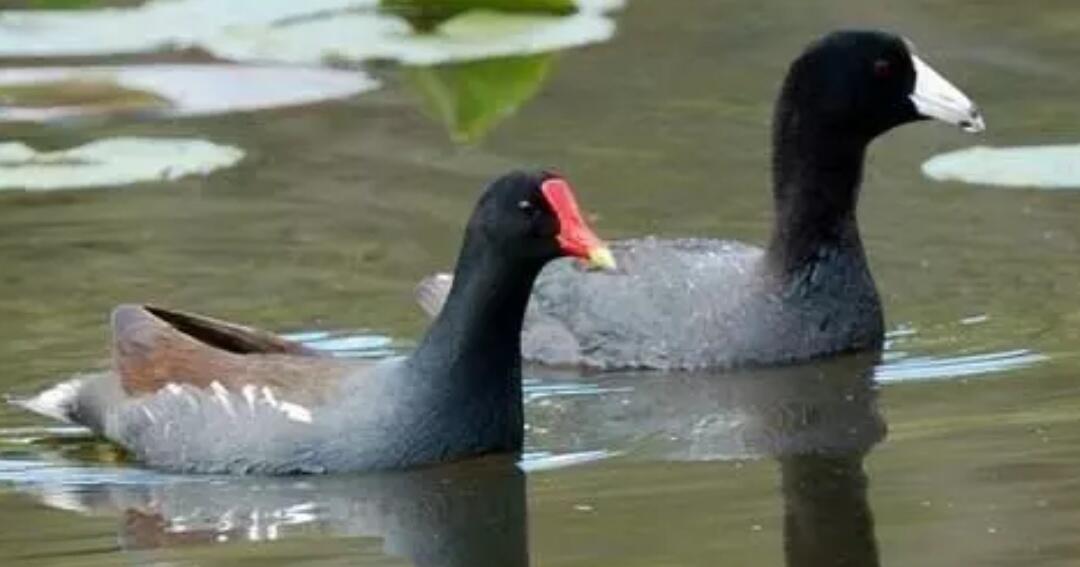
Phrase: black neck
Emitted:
{"points": [[477, 336], [817, 171]]}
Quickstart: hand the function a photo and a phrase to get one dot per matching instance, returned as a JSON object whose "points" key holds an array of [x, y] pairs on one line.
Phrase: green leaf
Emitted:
{"points": [[425, 15], [472, 98]]}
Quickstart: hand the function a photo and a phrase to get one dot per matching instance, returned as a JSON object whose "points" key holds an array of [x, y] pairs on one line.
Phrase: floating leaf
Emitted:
{"points": [[111, 162], [155, 25], [1046, 167], [469, 36], [39, 94], [426, 15], [471, 98], [305, 32]]}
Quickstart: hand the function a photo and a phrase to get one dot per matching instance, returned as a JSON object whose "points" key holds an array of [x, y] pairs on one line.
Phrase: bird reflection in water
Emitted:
{"points": [[465, 514], [818, 421]]}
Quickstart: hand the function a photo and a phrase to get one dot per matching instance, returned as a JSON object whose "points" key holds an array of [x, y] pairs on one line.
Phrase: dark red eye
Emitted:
{"points": [[882, 69]]}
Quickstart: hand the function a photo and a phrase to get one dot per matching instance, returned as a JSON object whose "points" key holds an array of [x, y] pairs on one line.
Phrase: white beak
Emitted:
{"points": [[934, 97]]}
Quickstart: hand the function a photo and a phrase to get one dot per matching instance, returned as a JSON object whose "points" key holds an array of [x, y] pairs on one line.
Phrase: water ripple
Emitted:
{"points": [[536, 389], [348, 343], [902, 362], [925, 368]]}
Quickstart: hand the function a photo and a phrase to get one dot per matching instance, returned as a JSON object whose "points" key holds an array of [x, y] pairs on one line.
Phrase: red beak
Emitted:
{"points": [[575, 237]]}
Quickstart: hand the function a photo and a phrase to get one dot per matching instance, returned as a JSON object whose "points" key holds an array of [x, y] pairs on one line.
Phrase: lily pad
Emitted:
{"points": [[155, 25], [111, 162], [307, 32], [1044, 167], [363, 36], [471, 98], [426, 15], [482, 64], [41, 94]]}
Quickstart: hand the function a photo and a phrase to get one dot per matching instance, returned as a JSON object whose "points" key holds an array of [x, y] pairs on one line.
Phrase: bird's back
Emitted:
{"points": [[695, 303]]}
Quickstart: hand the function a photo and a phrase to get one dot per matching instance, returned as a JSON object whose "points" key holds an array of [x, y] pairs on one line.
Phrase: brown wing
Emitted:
{"points": [[153, 347]]}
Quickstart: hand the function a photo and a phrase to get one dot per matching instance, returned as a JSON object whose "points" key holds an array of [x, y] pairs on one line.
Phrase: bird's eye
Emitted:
{"points": [[883, 69], [526, 205]]}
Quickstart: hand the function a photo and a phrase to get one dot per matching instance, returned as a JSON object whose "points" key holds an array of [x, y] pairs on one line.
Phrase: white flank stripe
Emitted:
{"points": [[268, 394], [295, 412], [249, 395], [222, 396]]}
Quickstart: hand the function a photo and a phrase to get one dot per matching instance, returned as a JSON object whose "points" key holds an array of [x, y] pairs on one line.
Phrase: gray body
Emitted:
{"points": [[377, 416], [696, 303]]}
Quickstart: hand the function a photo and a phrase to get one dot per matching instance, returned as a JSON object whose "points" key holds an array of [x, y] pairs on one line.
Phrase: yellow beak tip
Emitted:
{"points": [[601, 258]]}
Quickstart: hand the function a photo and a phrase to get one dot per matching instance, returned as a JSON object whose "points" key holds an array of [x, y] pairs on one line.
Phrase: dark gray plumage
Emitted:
{"points": [[698, 303], [190, 393]]}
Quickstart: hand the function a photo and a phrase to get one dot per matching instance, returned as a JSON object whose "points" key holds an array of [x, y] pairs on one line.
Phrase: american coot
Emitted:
{"points": [[195, 394], [696, 303]]}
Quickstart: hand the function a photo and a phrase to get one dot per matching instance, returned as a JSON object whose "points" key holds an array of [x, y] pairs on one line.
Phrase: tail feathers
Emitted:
{"points": [[58, 402], [432, 291]]}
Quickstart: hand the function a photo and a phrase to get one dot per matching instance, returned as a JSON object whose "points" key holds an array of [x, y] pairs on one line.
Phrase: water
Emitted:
{"points": [[959, 447]]}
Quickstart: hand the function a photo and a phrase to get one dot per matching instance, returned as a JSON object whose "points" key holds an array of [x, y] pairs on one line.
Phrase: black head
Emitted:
{"points": [[867, 82], [533, 216]]}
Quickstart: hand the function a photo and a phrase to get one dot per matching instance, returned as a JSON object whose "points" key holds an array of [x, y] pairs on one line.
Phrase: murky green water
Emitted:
{"points": [[961, 447]]}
